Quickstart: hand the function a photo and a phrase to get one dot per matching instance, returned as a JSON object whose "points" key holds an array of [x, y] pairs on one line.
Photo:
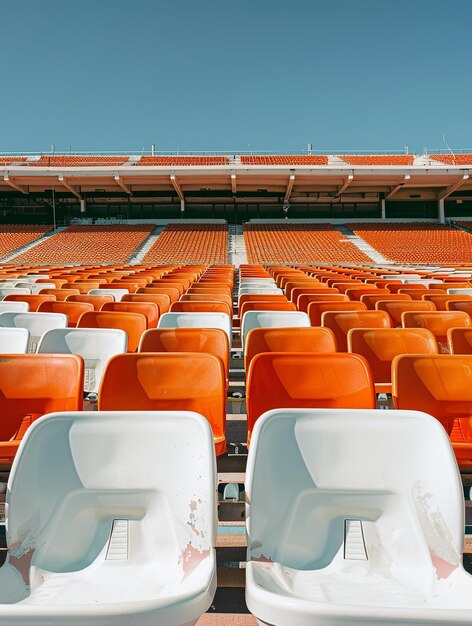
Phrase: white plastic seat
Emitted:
{"points": [[14, 340], [244, 291], [36, 323], [14, 306], [351, 519], [465, 291], [22, 291], [197, 320], [116, 293], [111, 521], [272, 319], [37, 287], [95, 345]]}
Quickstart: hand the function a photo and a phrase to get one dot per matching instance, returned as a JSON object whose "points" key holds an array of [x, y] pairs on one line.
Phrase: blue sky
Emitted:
{"points": [[235, 74]]}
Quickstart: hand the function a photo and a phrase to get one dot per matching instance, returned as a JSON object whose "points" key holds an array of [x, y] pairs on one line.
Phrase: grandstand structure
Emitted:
{"points": [[235, 187]]}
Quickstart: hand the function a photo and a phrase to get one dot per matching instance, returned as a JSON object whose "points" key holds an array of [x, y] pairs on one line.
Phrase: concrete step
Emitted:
{"points": [[138, 255], [362, 244]]}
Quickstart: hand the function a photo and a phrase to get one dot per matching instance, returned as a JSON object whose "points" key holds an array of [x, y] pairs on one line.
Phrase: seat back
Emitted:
{"points": [[316, 309], [172, 293], [168, 381], [210, 340], [370, 300], [150, 310], [7, 306], [34, 301], [95, 345], [162, 300], [61, 294], [14, 340], [266, 306], [134, 324], [200, 306], [79, 474], [96, 301], [341, 322], [295, 380], [36, 323], [396, 309], [73, 310], [117, 294], [379, 346], [272, 319], [440, 385], [330, 468], [459, 340], [197, 320], [287, 340], [438, 322], [304, 299], [32, 385]]}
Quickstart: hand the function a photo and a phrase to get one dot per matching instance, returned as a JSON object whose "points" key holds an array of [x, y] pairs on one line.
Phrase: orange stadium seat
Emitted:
{"points": [[150, 310], [287, 340], [440, 385], [305, 299], [198, 306], [208, 340], [73, 310], [172, 292], [266, 306], [162, 300], [61, 294], [134, 324], [168, 381], [459, 340], [341, 322], [379, 346], [396, 309], [32, 385], [316, 309], [370, 300], [294, 380], [438, 322], [34, 301], [96, 301]]}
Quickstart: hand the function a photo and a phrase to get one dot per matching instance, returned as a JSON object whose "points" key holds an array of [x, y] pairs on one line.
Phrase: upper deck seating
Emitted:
{"points": [[168, 381], [190, 243], [14, 237], [112, 519], [88, 244], [378, 159], [181, 161], [419, 242], [285, 159], [355, 490], [77, 160], [299, 243], [452, 159]]}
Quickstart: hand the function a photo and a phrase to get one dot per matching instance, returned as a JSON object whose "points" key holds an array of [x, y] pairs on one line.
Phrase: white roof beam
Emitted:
{"points": [[398, 187], [11, 183], [69, 187], [344, 186], [121, 184], [447, 192], [177, 187], [291, 182]]}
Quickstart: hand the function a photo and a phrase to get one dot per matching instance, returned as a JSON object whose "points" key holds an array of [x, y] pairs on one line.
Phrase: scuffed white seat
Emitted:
{"points": [[95, 345], [14, 340], [14, 306], [272, 319], [465, 291], [22, 291], [197, 320], [352, 519], [111, 521], [116, 293], [259, 290], [36, 323]]}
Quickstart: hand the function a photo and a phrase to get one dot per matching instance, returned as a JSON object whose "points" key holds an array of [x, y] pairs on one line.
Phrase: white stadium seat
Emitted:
{"points": [[14, 340], [95, 345], [116, 293], [367, 524], [196, 320], [460, 292], [111, 520], [7, 291], [36, 323], [14, 306], [272, 319]]}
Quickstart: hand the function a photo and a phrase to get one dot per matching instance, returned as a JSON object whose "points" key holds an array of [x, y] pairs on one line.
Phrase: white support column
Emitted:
{"points": [[441, 216], [382, 206], [182, 206], [83, 205]]}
